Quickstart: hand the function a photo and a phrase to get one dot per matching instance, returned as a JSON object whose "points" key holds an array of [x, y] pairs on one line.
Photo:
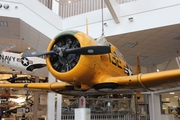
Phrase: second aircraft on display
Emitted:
{"points": [[23, 65], [82, 63]]}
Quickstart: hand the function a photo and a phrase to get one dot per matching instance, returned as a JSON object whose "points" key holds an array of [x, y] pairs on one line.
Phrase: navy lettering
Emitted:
{"points": [[7, 59]]}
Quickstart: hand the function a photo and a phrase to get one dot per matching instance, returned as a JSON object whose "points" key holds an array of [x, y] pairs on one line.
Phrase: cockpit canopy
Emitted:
{"points": [[102, 40]]}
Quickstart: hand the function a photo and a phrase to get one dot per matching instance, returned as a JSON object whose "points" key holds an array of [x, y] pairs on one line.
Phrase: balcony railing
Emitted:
{"points": [[104, 117], [78, 6], [83, 6]]}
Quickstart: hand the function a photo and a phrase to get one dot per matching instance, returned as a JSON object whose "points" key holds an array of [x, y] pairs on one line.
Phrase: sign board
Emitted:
{"points": [[82, 102]]}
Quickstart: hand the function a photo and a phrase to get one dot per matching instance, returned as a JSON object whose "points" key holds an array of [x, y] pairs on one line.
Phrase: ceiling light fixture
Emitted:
{"points": [[3, 23], [167, 99], [131, 19], [64, 2], [171, 93], [6, 6], [174, 107], [175, 96]]}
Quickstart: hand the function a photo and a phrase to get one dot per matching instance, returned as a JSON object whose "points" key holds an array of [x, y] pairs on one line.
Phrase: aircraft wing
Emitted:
{"points": [[54, 86], [147, 80], [5, 96], [10, 72]]}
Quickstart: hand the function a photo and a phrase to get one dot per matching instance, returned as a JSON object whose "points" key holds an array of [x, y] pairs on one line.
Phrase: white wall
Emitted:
{"points": [[147, 14], [35, 14]]}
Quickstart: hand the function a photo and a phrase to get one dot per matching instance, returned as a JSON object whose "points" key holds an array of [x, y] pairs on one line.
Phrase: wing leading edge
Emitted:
{"points": [[54, 86]]}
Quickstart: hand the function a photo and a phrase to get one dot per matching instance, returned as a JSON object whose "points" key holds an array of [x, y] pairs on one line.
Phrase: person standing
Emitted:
{"points": [[1, 113]]}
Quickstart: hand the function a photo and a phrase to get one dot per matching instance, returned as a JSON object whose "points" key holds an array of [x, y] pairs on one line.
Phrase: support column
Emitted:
{"points": [[136, 106], [178, 61], [154, 107], [133, 103], [55, 7], [114, 9], [35, 103], [51, 100], [58, 107], [144, 109]]}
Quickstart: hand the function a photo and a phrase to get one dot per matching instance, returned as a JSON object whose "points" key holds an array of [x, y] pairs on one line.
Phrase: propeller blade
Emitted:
{"points": [[91, 50], [37, 53], [3, 79]]}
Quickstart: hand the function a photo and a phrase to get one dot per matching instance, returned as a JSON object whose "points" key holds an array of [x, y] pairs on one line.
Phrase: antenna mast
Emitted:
{"points": [[102, 17]]}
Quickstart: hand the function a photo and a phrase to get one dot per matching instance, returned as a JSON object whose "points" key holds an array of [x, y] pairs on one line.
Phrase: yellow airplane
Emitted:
{"points": [[82, 62]]}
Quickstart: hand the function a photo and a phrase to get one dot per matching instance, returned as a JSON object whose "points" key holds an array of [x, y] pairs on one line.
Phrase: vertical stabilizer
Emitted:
{"points": [[138, 67], [6, 47]]}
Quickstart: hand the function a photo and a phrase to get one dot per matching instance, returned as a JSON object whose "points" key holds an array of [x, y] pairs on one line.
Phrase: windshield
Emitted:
{"points": [[102, 40]]}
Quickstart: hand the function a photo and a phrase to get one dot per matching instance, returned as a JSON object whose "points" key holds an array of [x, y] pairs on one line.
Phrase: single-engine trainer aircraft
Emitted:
{"points": [[81, 63]]}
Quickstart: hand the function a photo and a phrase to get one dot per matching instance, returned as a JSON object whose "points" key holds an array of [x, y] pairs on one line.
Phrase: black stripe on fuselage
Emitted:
{"points": [[35, 66]]}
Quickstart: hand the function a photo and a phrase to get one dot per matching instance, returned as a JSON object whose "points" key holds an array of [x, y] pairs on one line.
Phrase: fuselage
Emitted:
{"points": [[31, 65], [91, 69]]}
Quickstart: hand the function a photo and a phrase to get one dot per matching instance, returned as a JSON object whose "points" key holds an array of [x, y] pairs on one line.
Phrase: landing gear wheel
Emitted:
{"points": [[105, 86]]}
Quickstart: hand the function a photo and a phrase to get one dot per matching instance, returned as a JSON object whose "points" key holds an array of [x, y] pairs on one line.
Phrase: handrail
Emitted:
{"points": [[103, 117]]}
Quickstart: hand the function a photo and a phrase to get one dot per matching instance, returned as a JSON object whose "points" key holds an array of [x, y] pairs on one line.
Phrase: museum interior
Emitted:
{"points": [[89, 60]]}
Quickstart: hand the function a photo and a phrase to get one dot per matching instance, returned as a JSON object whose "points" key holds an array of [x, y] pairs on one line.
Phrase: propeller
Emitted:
{"points": [[89, 50], [65, 52]]}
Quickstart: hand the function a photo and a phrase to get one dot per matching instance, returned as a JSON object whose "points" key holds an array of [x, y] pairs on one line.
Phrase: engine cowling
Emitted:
{"points": [[70, 67]]}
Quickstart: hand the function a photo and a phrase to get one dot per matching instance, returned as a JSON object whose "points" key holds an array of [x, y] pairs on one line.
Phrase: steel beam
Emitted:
{"points": [[113, 7]]}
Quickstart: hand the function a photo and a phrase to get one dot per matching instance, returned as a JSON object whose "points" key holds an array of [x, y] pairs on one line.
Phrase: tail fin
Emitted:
{"points": [[138, 67], [6, 47]]}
